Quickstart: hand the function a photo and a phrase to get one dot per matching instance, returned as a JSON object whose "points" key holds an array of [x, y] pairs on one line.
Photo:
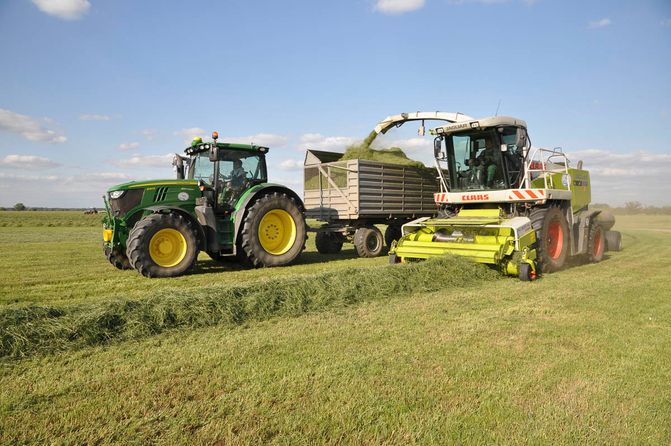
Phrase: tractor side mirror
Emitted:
{"points": [[178, 164], [214, 153], [437, 148], [504, 147]]}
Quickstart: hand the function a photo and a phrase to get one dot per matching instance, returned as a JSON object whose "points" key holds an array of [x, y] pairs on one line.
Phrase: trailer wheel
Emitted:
{"points": [[596, 243], [392, 234], [274, 231], [368, 241], [116, 258], [613, 241], [162, 245], [329, 242], [552, 237]]}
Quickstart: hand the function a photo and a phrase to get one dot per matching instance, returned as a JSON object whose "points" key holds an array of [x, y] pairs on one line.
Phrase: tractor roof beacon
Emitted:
{"points": [[506, 203], [220, 203]]}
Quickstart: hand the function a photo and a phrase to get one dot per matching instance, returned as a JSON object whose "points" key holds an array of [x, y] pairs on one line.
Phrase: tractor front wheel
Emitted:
{"points": [[116, 258], [274, 231], [368, 241], [162, 245], [552, 237]]}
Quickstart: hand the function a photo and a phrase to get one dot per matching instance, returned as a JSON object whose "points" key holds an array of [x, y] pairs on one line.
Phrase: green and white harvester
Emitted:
{"points": [[505, 203], [220, 203]]}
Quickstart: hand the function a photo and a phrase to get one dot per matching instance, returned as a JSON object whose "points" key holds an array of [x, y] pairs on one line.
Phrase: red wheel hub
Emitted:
{"points": [[598, 243], [555, 239]]}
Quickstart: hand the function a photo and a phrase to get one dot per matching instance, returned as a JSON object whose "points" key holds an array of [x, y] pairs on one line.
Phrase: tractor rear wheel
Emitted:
{"points": [[368, 241], [329, 242], [274, 231], [117, 258], [551, 237], [392, 234], [596, 243], [162, 245], [613, 241]]}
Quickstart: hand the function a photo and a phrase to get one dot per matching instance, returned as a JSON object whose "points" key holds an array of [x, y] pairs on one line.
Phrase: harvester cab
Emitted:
{"points": [[220, 203], [505, 203]]}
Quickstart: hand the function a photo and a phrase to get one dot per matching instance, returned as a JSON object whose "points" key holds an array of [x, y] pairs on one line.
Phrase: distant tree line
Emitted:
{"points": [[634, 207], [23, 207]]}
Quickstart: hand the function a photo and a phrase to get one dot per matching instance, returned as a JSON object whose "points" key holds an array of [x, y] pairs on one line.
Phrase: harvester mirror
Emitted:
{"points": [[214, 153], [421, 131], [521, 138], [504, 147], [437, 148]]}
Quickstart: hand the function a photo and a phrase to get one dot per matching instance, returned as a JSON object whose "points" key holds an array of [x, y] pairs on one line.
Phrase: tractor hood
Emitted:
{"points": [[151, 183], [397, 120]]}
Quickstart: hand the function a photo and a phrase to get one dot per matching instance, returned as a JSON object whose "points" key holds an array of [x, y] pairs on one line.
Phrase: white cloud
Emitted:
{"points": [[191, 132], [94, 117], [28, 127], [164, 161], [291, 164], [109, 178], [398, 6], [317, 141], [260, 139], [602, 23], [149, 134], [666, 23], [64, 9], [128, 146], [619, 177], [27, 162]]}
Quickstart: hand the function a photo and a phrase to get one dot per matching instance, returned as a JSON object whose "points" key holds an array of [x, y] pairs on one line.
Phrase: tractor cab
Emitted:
{"points": [[224, 171], [481, 155]]}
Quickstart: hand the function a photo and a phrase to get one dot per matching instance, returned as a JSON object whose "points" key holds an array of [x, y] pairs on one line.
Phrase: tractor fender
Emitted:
{"points": [[582, 220], [200, 233], [254, 195]]}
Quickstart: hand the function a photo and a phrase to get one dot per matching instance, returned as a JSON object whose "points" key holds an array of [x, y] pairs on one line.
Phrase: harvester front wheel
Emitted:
{"points": [[552, 237], [162, 245], [368, 241], [596, 243], [274, 231], [526, 274], [392, 234], [329, 242]]}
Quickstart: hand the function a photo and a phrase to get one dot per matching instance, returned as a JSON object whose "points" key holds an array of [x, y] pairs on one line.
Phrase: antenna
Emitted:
{"points": [[497, 108]]}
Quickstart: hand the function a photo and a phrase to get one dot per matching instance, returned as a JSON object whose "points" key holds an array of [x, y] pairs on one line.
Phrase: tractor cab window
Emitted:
{"points": [[475, 161], [202, 168], [239, 170]]}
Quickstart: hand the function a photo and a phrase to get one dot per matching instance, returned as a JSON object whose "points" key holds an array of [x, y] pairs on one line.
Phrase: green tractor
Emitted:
{"points": [[505, 203], [220, 203]]}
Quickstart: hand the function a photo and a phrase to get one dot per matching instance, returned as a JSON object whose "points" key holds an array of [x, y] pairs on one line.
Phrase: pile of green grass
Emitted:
{"points": [[40, 329], [392, 155]]}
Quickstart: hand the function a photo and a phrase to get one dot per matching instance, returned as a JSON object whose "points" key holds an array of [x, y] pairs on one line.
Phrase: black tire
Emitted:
{"points": [[140, 239], [596, 243], [392, 234], [368, 241], [552, 241], [117, 258], [267, 206], [613, 241], [329, 242], [524, 273]]}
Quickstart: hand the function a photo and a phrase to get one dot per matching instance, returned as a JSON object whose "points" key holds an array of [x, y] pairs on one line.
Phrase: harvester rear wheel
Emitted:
{"points": [[613, 241], [116, 258], [552, 237], [329, 242], [162, 245], [596, 243], [368, 241], [274, 231], [392, 234]]}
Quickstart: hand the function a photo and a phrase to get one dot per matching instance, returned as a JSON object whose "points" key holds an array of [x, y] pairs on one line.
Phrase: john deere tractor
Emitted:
{"points": [[220, 203], [504, 203]]}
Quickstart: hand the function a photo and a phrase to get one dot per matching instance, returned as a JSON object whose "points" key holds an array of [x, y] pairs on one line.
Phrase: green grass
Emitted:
{"points": [[580, 356]]}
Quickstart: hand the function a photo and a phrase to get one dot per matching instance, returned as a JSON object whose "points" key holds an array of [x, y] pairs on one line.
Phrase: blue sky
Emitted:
{"points": [[95, 93]]}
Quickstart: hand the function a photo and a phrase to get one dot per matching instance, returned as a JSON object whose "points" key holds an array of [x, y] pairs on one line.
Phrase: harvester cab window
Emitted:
{"points": [[476, 161], [513, 156]]}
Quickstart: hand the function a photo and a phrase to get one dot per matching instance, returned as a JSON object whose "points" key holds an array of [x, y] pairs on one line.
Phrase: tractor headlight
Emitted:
{"points": [[117, 194]]}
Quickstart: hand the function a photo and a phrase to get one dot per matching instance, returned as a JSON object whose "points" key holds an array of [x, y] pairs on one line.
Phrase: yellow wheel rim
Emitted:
{"points": [[277, 232], [167, 247]]}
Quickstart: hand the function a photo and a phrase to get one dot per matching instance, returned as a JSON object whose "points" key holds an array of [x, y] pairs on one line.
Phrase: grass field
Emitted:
{"points": [[581, 356]]}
